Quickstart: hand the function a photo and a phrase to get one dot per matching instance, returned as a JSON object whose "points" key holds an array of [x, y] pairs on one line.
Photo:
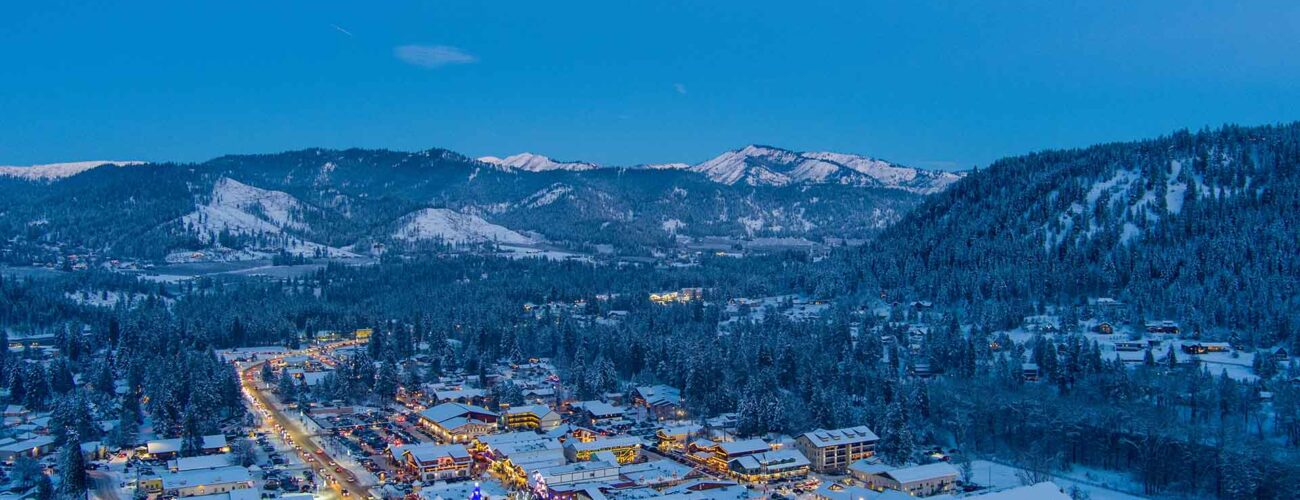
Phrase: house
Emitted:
{"points": [[831, 451], [1169, 327], [625, 448], [1030, 372], [661, 401], [1130, 346], [916, 480], [769, 466], [531, 417], [458, 422], [1281, 354], [436, 462], [1104, 328], [166, 449], [1206, 347], [33, 446], [200, 482], [601, 415]]}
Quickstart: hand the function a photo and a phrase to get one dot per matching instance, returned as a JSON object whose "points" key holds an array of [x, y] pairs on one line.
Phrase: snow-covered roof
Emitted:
{"points": [[836, 437], [732, 448], [188, 479], [918, 473]]}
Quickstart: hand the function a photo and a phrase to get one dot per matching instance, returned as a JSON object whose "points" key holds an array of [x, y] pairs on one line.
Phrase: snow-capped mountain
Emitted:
{"points": [[530, 162], [769, 166], [54, 171], [757, 165], [456, 228]]}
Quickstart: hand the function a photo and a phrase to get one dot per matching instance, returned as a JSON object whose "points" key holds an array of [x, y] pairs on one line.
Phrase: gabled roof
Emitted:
{"points": [[432, 452], [445, 413]]}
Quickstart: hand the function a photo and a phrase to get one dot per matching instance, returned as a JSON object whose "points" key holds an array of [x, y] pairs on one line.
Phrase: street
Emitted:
{"points": [[343, 483]]}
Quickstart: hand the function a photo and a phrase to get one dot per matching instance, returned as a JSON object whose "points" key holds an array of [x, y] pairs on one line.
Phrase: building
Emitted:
{"points": [[517, 452], [532, 417], [33, 446], [458, 422], [201, 462], [718, 456], [200, 482], [1206, 347], [769, 466], [435, 462], [831, 451], [675, 437], [1169, 327], [625, 448], [166, 449], [916, 480], [661, 401]]}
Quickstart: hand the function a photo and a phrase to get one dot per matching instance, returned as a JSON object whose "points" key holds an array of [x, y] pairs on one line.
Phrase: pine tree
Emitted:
{"points": [[897, 444], [72, 470]]}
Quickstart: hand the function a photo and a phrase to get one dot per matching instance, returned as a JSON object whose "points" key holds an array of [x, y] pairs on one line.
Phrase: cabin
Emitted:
{"points": [[1130, 346], [1165, 327], [1206, 347], [1029, 372]]}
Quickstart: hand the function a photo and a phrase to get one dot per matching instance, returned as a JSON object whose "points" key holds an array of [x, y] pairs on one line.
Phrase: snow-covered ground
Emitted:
{"points": [[456, 228], [1100, 485]]}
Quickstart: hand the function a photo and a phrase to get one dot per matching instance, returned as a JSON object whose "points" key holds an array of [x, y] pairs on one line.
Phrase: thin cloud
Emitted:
{"points": [[341, 30], [681, 89], [433, 56]]}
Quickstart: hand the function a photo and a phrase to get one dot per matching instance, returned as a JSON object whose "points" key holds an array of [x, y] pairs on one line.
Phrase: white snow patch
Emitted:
{"points": [[671, 226]]}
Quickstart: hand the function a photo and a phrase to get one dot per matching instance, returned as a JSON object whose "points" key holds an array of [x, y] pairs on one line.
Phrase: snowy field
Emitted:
{"points": [[1100, 485]]}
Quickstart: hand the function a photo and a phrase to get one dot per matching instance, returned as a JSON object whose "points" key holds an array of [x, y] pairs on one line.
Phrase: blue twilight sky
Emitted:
{"points": [[944, 84]]}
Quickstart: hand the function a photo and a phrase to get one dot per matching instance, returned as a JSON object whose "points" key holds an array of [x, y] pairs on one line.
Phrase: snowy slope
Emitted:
{"points": [[768, 166], [454, 227], [53, 171], [530, 162], [241, 209]]}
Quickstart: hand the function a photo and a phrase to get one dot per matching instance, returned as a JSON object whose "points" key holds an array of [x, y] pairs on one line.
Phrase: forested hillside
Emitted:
{"points": [[1199, 226], [327, 202]]}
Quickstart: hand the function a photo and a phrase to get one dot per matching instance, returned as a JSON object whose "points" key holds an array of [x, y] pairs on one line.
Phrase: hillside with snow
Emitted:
{"points": [[260, 219], [768, 166], [455, 228], [55, 171], [529, 162]]}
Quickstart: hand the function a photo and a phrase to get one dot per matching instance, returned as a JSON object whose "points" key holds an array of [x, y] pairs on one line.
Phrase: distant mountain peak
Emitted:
{"points": [[762, 165], [54, 171], [530, 162]]}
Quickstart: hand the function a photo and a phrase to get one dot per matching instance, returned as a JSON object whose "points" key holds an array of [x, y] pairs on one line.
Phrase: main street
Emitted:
{"points": [[342, 483]]}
